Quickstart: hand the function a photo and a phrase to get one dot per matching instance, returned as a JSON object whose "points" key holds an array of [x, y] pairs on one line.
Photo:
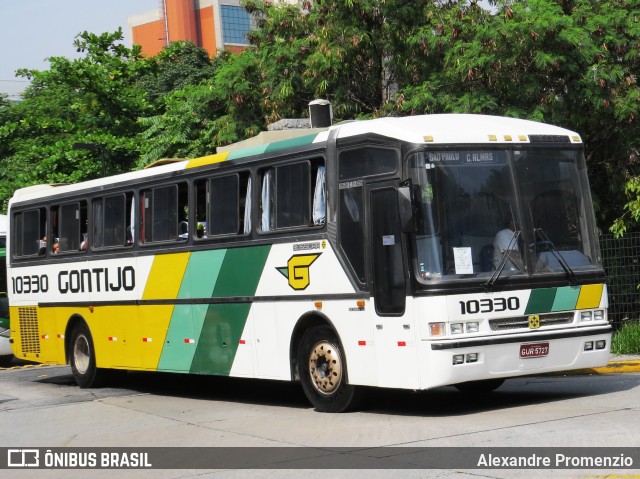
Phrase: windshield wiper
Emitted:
{"points": [[571, 276], [513, 242]]}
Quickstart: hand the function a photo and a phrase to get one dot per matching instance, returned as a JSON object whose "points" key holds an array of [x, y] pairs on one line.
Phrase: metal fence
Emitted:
{"points": [[622, 266]]}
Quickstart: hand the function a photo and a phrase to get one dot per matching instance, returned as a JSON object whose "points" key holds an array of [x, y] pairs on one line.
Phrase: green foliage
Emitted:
{"points": [[93, 99], [221, 110], [176, 66], [627, 339]]}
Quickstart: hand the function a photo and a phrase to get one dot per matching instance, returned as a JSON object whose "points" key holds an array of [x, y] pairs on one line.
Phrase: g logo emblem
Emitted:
{"points": [[297, 270], [534, 321]]}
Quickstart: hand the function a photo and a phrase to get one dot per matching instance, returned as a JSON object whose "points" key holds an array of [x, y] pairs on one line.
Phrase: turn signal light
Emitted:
{"points": [[437, 329]]}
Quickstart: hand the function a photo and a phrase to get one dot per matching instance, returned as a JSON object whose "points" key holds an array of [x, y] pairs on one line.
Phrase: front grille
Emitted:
{"points": [[522, 322], [29, 334]]}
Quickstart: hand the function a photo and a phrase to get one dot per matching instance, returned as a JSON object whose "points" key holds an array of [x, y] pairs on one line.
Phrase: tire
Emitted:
{"points": [[6, 361], [82, 357], [323, 371], [480, 387]]}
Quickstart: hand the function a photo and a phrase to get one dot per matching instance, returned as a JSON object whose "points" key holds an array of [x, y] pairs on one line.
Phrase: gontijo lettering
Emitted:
{"points": [[79, 281]]}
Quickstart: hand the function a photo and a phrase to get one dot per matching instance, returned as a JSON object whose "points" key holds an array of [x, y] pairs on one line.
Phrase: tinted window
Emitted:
{"points": [[352, 226], [367, 161], [112, 221], [30, 236], [224, 205], [293, 195], [164, 214]]}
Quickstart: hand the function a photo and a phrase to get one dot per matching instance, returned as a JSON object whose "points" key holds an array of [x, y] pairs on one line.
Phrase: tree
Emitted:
{"points": [[348, 51], [93, 99], [176, 66], [196, 119]]}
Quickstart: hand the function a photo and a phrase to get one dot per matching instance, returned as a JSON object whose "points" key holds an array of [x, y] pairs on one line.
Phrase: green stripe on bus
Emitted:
{"points": [[541, 300], [187, 320], [291, 143], [224, 323], [241, 271], [249, 151], [271, 147], [566, 298], [218, 343]]}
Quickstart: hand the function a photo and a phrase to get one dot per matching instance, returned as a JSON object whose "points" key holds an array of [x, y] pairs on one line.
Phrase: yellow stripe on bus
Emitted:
{"points": [[590, 296], [166, 276], [207, 160]]}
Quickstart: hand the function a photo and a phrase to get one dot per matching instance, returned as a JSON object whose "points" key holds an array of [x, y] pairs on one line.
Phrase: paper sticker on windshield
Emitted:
{"points": [[463, 260], [388, 240]]}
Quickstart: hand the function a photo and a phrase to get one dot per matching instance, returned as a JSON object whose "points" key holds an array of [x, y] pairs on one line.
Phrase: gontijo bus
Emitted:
{"points": [[399, 252]]}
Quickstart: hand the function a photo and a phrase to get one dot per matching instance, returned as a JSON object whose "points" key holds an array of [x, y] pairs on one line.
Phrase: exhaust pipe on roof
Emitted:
{"points": [[320, 113]]}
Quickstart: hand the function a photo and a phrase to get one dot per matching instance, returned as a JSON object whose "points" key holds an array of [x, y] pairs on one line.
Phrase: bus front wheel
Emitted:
{"points": [[323, 371], [83, 358]]}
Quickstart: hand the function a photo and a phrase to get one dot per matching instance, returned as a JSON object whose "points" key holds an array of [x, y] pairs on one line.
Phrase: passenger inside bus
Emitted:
{"points": [[503, 243], [42, 246]]}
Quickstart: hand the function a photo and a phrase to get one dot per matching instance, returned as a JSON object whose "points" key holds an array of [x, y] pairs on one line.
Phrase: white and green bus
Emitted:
{"points": [[410, 253]]}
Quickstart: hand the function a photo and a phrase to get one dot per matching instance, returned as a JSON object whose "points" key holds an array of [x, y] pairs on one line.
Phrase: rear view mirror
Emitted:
{"points": [[405, 210]]}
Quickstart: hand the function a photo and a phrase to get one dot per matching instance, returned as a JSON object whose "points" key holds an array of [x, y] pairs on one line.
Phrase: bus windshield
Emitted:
{"points": [[471, 223]]}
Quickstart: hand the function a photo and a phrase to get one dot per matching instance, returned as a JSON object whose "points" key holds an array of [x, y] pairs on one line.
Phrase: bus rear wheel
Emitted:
{"points": [[83, 358], [323, 371]]}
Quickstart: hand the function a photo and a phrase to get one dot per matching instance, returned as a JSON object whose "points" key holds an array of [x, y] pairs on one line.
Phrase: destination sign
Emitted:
{"points": [[466, 157]]}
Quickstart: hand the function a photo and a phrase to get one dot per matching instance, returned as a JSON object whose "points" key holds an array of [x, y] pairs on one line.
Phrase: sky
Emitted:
{"points": [[33, 30]]}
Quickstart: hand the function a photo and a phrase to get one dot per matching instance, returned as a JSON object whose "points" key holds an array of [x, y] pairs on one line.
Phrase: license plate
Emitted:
{"points": [[536, 350]]}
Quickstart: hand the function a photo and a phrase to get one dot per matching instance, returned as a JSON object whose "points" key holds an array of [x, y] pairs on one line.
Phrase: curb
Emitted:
{"points": [[614, 367]]}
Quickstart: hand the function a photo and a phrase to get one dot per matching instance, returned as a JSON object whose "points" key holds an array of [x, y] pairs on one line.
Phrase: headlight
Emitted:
{"points": [[473, 327], [586, 315], [456, 328]]}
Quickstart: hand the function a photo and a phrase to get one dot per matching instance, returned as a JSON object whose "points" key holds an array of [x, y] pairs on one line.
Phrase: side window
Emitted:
{"points": [[164, 213], [223, 205], [29, 233], [112, 221], [367, 161], [68, 228], [293, 196], [293, 186], [351, 226], [201, 208], [354, 165]]}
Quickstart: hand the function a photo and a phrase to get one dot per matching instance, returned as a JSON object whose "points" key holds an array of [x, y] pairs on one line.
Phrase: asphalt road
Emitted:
{"points": [[42, 407]]}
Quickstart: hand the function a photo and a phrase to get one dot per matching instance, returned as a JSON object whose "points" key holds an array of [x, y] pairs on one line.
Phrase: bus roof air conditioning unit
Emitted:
{"points": [[320, 113]]}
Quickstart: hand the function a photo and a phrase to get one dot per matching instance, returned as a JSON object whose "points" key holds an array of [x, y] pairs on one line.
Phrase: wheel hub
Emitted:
{"points": [[325, 367], [81, 354]]}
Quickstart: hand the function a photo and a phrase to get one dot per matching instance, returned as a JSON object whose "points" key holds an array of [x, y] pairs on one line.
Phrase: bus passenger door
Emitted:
{"points": [[395, 338], [388, 271]]}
